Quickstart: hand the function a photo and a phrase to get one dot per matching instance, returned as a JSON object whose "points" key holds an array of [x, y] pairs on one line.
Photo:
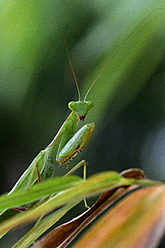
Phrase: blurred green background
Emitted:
{"points": [[36, 82]]}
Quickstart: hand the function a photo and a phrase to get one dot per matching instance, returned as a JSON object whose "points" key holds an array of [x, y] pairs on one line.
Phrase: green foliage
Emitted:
{"points": [[70, 191]]}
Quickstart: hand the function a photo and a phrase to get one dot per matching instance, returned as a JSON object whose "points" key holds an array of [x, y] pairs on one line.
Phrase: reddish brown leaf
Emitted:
{"points": [[133, 173], [137, 221]]}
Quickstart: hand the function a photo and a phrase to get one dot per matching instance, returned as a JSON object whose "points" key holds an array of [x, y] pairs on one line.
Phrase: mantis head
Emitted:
{"points": [[81, 108]]}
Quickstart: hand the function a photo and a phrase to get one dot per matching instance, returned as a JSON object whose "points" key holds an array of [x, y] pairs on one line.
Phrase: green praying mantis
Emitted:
{"points": [[67, 143]]}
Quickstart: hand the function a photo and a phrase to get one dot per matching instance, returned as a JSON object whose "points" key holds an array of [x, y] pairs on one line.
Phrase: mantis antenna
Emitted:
{"points": [[118, 51], [70, 62]]}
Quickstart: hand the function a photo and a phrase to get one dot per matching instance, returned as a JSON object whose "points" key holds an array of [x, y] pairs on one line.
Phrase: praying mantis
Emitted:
{"points": [[67, 143]]}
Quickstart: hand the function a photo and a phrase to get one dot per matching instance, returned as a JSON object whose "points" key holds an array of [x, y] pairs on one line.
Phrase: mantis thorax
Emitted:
{"points": [[81, 108]]}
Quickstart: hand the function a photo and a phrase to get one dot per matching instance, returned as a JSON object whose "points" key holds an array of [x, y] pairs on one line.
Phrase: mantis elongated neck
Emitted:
{"points": [[70, 125]]}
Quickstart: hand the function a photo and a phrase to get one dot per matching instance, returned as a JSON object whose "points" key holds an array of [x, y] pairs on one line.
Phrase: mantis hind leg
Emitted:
{"points": [[81, 163]]}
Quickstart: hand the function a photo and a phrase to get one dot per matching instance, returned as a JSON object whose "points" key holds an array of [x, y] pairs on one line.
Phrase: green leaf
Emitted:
{"points": [[93, 186], [42, 226], [52, 186]]}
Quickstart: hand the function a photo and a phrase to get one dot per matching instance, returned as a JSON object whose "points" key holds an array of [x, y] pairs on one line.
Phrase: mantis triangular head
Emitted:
{"points": [[81, 108]]}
